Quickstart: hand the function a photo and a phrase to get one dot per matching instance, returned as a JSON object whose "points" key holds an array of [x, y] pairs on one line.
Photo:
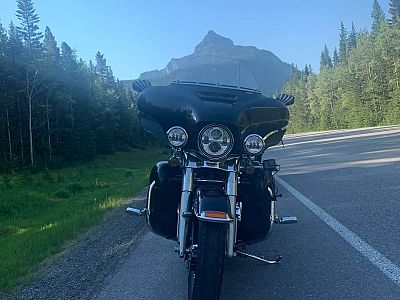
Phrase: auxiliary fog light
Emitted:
{"points": [[254, 144], [177, 136]]}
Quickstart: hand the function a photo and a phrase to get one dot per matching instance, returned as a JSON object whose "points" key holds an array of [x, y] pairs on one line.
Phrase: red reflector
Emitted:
{"points": [[215, 214]]}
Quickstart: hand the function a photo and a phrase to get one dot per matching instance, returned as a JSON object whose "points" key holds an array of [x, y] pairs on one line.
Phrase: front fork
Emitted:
{"points": [[186, 209], [231, 191]]}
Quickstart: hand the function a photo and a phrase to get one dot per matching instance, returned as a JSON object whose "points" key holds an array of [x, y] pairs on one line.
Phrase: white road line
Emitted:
{"points": [[384, 264]]}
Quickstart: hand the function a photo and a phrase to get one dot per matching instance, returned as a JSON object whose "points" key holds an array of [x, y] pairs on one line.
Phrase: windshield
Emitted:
{"points": [[212, 69]]}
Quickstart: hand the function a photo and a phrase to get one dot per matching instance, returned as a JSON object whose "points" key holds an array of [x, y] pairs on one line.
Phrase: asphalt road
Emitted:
{"points": [[352, 180]]}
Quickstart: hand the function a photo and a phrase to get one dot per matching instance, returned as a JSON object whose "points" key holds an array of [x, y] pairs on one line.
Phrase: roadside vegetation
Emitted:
{"points": [[69, 145], [40, 212], [54, 106], [357, 86]]}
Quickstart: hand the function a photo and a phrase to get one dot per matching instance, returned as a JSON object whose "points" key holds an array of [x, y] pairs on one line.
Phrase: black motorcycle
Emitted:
{"points": [[215, 194]]}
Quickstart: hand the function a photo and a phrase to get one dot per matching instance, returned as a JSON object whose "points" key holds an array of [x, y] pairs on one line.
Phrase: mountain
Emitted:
{"points": [[218, 59]]}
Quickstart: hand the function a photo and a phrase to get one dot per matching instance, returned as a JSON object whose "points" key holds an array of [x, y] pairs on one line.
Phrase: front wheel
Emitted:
{"points": [[206, 265]]}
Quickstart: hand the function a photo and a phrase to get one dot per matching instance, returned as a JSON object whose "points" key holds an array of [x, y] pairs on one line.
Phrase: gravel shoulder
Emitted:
{"points": [[80, 271]]}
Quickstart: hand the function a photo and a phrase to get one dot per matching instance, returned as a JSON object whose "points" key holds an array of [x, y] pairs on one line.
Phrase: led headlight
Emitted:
{"points": [[254, 144], [177, 136], [215, 141]]}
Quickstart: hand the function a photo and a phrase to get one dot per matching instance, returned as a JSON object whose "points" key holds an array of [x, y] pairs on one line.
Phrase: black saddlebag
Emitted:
{"points": [[256, 207], [163, 199]]}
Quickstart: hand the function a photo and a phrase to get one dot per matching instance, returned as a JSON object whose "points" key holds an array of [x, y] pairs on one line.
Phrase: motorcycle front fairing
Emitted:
{"points": [[192, 106]]}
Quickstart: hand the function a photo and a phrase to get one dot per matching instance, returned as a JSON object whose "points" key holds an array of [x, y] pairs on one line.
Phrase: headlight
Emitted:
{"points": [[254, 144], [215, 141], [177, 136]]}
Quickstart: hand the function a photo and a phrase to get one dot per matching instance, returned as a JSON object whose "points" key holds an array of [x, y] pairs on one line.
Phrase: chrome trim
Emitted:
{"points": [[231, 191], [288, 220], [136, 211], [224, 86], [195, 162], [273, 214], [270, 133], [149, 196], [148, 205], [209, 180], [187, 182], [259, 258], [187, 188], [239, 211], [231, 185]]}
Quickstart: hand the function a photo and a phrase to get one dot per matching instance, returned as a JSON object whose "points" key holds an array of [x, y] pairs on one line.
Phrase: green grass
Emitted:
{"points": [[40, 212]]}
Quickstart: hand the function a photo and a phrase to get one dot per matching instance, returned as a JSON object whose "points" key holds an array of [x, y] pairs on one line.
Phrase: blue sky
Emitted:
{"points": [[137, 36]]}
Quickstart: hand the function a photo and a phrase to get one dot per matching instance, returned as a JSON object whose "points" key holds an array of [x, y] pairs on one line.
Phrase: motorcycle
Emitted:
{"points": [[215, 194]]}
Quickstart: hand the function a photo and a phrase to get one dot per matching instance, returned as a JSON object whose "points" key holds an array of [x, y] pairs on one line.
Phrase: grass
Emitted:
{"points": [[40, 212]]}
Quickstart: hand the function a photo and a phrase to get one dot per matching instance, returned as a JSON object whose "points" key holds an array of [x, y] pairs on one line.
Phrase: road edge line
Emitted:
{"points": [[385, 265]]}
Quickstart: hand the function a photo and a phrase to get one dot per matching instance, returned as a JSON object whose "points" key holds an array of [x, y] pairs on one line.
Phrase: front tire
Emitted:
{"points": [[206, 266]]}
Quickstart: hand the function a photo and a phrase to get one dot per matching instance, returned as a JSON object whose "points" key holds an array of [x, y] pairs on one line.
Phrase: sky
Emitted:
{"points": [[142, 35]]}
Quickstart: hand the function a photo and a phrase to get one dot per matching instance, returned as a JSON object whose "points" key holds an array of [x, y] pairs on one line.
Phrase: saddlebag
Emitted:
{"points": [[255, 223], [163, 199]]}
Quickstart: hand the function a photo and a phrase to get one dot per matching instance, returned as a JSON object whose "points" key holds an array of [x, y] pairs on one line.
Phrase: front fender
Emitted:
{"points": [[212, 205]]}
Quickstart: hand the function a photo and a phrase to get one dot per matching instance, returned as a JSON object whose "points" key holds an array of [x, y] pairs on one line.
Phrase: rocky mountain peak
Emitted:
{"points": [[267, 70], [213, 40]]}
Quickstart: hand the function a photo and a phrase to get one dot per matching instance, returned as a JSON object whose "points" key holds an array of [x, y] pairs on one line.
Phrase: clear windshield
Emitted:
{"points": [[212, 69]]}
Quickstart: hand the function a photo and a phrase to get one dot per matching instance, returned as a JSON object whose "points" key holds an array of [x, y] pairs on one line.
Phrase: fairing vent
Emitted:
{"points": [[217, 97]]}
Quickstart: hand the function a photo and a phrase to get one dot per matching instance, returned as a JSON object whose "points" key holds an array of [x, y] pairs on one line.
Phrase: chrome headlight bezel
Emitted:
{"points": [[255, 138], [225, 134], [177, 130]]}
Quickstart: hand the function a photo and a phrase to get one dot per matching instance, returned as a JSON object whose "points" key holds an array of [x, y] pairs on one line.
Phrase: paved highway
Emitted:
{"points": [[344, 187]]}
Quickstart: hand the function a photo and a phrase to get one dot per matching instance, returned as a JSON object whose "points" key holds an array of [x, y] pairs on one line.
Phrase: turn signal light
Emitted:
{"points": [[215, 214]]}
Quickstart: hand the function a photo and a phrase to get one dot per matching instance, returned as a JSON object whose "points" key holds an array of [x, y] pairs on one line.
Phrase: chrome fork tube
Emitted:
{"points": [[231, 190], [187, 188]]}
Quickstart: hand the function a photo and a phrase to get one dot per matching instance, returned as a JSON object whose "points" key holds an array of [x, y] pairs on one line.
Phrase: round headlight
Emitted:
{"points": [[177, 136], [215, 141], [254, 144]]}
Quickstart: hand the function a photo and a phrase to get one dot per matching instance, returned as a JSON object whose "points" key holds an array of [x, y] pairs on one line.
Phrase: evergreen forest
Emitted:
{"points": [[55, 107], [358, 84]]}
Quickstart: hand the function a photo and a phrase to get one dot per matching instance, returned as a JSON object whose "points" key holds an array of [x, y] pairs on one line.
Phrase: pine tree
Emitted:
{"points": [[4, 95], [352, 42], [50, 50], [335, 59], [394, 10], [29, 29], [326, 60], [306, 71], [68, 57], [3, 43], [15, 46], [31, 37], [378, 16], [101, 67], [343, 44]]}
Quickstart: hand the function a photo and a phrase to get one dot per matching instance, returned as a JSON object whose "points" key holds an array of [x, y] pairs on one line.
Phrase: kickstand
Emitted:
{"points": [[259, 258]]}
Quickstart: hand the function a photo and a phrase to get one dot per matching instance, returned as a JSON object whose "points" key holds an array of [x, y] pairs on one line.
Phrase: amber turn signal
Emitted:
{"points": [[215, 214]]}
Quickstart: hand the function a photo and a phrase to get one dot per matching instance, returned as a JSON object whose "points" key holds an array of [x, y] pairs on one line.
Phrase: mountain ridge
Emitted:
{"points": [[262, 68]]}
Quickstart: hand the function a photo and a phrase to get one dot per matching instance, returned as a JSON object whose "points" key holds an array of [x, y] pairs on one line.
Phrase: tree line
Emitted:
{"points": [[357, 86], [54, 106]]}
